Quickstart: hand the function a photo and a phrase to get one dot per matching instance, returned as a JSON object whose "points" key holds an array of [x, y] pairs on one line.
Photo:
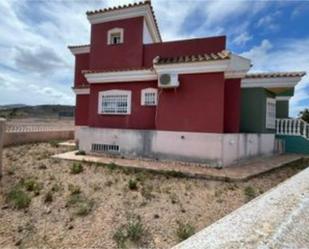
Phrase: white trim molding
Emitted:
{"points": [[114, 92], [126, 13], [149, 91], [270, 82], [121, 76], [112, 32], [81, 91], [283, 98], [80, 50]]}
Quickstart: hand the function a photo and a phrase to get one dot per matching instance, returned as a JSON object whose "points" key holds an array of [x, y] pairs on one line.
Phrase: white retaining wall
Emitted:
{"points": [[215, 149]]}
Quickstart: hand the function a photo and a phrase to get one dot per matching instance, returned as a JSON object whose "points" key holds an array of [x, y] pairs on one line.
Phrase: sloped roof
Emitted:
{"points": [[223, 55], [274, 75], [127, 6]]}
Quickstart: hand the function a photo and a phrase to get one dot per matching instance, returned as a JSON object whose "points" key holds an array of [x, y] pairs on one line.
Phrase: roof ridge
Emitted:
{"points": [[126, 6]]}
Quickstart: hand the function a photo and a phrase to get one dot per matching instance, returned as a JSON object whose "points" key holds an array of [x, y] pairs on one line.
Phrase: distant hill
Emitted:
{"points": [[40, 111], [4, 107]]}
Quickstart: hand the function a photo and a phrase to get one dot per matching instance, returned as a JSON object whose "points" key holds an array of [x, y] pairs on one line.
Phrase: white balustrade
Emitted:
{"points": [[295, 127]]}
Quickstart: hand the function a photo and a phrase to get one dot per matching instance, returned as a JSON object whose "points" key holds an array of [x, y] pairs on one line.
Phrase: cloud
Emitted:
{"points": [[242, 39], [39, 60], [268, 21], [285, 55]]}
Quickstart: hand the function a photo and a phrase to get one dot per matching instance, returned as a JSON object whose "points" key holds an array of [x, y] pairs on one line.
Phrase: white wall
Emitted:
{"points": [[213, 149]]}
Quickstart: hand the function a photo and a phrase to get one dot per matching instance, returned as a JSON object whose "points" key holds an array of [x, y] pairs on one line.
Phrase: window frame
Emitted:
{"points": [[101, 94], [270, 121], [143, 96], [112, 32]]}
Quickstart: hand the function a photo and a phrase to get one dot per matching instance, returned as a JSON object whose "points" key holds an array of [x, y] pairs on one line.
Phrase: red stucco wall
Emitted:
{"points": [[129, 54], [232, 105], [185, 47], [197, 105], [141, 117], [82, 109], [81, 63]]}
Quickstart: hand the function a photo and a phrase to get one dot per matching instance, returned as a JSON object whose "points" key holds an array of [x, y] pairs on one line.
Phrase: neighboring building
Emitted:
{"points": [[189, 100]]}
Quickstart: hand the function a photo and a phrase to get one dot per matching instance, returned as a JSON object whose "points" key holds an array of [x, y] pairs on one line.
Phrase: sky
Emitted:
{"points": [[37, 68]]}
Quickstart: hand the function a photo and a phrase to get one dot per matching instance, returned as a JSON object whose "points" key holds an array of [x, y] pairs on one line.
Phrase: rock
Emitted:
{"points": [[70, 227], [156, 216], [5, 207]]}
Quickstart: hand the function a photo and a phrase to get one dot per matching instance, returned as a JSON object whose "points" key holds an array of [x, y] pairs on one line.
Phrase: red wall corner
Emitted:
{"points": [[232, 105], [82, 109]]}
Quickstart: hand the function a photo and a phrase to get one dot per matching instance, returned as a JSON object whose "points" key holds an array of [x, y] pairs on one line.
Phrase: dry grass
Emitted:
{"points": [[91, 209]]}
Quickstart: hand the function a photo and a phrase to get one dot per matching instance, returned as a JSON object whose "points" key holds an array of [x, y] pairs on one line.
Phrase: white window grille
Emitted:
{"points": [[115, 36], [149, 97], [270, 113], [114, 102]]}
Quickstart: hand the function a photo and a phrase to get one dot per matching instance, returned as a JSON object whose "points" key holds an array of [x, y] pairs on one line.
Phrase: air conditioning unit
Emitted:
{"points": [[168, 80]]}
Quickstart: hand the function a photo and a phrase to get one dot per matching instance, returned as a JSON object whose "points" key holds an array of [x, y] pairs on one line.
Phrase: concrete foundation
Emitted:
{"points": [[212, 149]]}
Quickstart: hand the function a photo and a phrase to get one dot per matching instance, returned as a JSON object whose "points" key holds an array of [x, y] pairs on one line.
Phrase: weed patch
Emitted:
{"points": [[76, 168], [184, 230], [18, 198]]}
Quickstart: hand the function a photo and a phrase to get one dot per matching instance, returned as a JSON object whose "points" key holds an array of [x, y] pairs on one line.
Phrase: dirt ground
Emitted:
{"points": [[162, 205]]}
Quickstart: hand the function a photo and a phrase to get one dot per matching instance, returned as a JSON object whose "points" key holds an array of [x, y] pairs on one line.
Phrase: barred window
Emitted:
{"points": [[270, 113], [115, 102], [115, 36], [149, 97]]}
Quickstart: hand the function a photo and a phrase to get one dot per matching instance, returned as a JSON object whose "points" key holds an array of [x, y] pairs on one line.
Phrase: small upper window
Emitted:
{"points": [[149, 97], [270, 113], [115, 36]]}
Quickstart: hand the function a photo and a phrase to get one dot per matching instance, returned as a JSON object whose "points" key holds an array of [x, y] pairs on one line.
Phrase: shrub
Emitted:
{"points": [[81, 205], [135, 229], [120, 237], [48, 197], [76, 168], [80, 153], [184, 231], [18, 198], [31, 185], [54, 143], [147, 192], [74, 189], [84, 207], [111, 166], [249, 193], [132, 184]]}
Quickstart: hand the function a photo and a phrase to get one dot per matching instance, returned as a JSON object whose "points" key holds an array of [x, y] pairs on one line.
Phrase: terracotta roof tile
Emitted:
{"points": [[274, 75], [126, 6], [116, 70], [223, 55]]}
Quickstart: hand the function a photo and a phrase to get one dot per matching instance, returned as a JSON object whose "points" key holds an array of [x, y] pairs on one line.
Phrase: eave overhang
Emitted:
{"points": [[272, 80], [80, 49], [81, 91]]}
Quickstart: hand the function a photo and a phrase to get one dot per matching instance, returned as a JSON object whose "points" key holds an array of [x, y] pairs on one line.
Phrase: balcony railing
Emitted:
{"points": [[292, 127]]}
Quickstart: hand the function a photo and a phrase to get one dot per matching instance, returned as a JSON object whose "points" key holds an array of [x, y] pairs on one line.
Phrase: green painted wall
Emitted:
{"points": [[253, 110], [282, 108], [295, 144]]}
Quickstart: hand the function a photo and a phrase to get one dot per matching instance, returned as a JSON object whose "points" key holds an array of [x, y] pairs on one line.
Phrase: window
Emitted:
{"points": [[117, 102], [115, 36], [149, 97], [270, 113]]}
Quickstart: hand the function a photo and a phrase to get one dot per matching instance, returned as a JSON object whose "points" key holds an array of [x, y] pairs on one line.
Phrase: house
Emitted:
{"points": [[188, 100]]}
